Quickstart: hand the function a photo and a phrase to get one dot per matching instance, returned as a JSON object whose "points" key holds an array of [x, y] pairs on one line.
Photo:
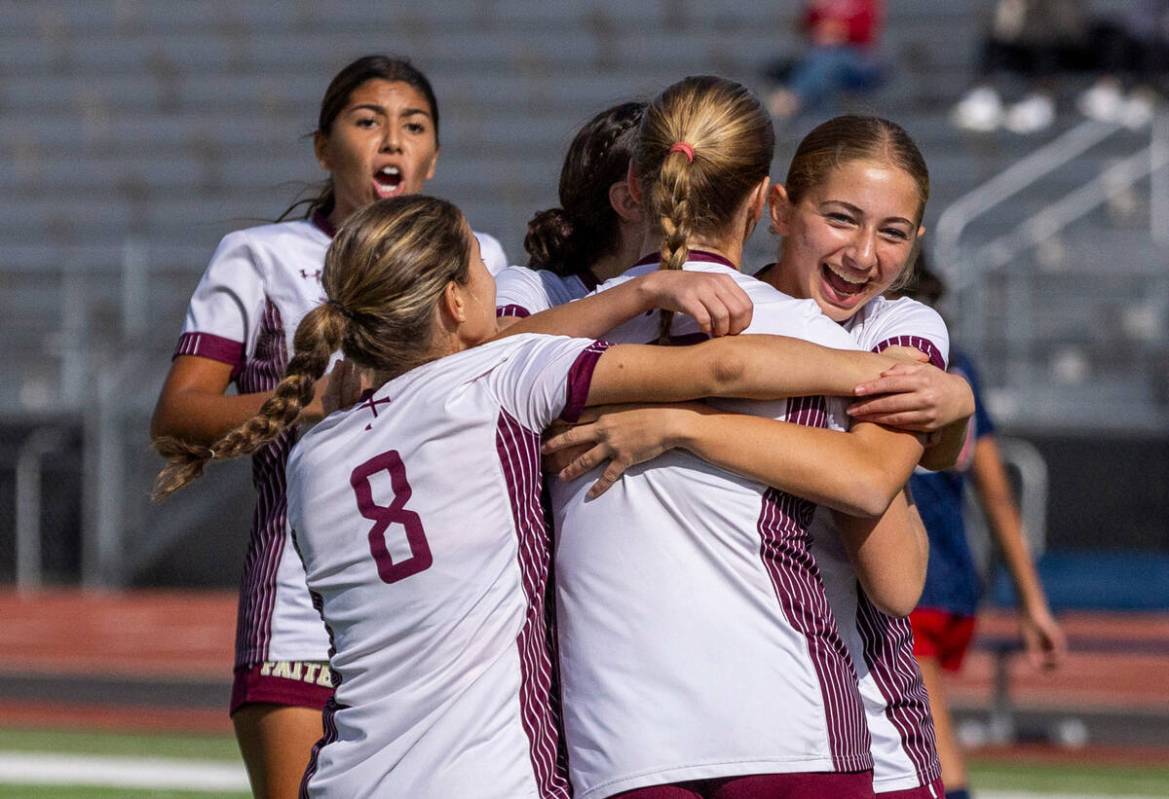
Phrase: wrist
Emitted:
{"points": [[646, 291]]}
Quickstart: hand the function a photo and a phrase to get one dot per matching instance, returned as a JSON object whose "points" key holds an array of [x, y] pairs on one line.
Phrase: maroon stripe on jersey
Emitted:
{"points": [[323, 224], [785, 550], [888, 648], [512, 310], [918, 343], [330, 735], [266, 546], [519, 455], [580, 377], [702, 256], [217, 348]]}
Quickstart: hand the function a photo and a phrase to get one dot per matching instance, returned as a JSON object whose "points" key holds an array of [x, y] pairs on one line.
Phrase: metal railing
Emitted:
{"points": [[974, 269]]}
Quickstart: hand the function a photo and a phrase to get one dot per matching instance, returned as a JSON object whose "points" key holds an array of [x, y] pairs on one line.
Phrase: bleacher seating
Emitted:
{"points": [[157, 127]]}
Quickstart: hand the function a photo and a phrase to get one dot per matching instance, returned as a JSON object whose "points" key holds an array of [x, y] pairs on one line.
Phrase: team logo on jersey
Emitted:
{"points": [[310, 274], [371, 403]]}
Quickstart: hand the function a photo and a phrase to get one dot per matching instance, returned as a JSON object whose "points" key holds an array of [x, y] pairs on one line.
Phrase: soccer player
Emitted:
{"points": [[377, 136], [850, 216], [943, 622], [699, 654], [597, 232], [416, 511]]}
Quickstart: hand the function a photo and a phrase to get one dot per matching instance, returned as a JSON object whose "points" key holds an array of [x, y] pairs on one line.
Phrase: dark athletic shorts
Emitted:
{"points": [[807, 785]]}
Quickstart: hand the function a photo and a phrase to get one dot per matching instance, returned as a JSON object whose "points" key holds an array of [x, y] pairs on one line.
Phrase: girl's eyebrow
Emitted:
{"points": [[859, 212]]}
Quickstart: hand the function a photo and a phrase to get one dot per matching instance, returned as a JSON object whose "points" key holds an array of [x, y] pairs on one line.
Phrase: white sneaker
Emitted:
{"points": [[1032, 114], [1103, 102], [981, 110], [1138, 110]]}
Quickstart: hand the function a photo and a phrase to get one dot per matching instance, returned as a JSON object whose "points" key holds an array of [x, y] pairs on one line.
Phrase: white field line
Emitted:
{"points": [[42, 768], [982, 794]]}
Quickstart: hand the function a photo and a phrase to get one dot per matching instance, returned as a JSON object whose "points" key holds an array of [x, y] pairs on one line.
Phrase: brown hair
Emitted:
{"points": [[732, 142], [344, 83], [383, 274], [585, 228], [848, 138]]}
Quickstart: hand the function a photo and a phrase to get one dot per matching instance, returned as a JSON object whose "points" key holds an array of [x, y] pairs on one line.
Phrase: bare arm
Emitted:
{"points": [[717, 303], [749, 367], [859, 472], [923, 398], [193, 407], [889, 554], [944, 448], [1043, 637]]}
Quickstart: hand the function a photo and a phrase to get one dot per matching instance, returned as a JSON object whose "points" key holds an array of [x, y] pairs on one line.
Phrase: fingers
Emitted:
{"points": [[610, 476], [570, 437], [585, 463], [890, 403], [717, 303], [899, 379]]}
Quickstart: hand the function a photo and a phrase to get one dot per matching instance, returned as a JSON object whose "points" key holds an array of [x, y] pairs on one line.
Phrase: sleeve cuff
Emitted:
{"points": [[512, 310], [918, 343], [217, 348], [580, 378]]}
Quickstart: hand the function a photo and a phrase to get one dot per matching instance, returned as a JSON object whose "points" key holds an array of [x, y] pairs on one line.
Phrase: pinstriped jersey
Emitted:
{"points": [[695, 636], [417, 513], [896, 704], [260, 284]]}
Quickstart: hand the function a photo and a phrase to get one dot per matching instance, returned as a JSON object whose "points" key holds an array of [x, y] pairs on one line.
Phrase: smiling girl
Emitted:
{"points": [[849, 216], [377, 136]]}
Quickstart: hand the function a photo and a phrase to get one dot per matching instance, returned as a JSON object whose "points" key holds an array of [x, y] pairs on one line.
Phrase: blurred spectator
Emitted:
{"points": [[943, 622], [1133, 51], [841, 55], [1028, 38]]}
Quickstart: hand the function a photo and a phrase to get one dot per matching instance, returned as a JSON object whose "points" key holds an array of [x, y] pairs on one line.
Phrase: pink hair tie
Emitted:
{"points": [[683, 147]]}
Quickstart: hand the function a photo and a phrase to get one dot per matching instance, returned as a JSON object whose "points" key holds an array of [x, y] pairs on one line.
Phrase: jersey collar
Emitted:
{"points": [[323, 224], [702, 256]]}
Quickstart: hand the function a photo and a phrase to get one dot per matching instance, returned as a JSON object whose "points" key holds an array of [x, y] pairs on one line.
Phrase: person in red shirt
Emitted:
{"points": [[842, 37]]}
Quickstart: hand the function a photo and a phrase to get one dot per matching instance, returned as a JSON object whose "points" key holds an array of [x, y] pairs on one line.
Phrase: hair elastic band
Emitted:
{"points": [[683, 147], [342, 309]]}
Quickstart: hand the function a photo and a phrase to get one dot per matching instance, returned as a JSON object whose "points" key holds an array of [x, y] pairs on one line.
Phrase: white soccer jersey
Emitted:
{"points": [[696, 640], [260, 284], [896, 704], [520, 291], [417, 513]]}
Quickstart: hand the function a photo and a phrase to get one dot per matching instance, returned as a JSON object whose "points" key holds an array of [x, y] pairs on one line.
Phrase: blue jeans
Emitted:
{"points": [[826, 70]]}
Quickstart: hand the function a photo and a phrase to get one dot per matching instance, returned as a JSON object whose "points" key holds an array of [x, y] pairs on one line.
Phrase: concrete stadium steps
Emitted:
{"points": [[172, 123]]}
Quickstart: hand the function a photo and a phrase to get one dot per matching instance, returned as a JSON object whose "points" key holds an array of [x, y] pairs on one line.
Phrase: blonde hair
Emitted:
{"points": [[848, 138], [704, 143], [383, 274]]}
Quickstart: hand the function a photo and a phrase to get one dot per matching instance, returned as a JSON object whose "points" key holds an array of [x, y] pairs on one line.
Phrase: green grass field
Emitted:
{"points": [[988, 777]]}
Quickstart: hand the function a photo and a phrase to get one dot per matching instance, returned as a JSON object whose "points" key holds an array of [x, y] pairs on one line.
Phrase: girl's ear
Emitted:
{"points": [[321, 150], [452, 306], [758, 201], [623, 202], [780, 209], [631, 183]]}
